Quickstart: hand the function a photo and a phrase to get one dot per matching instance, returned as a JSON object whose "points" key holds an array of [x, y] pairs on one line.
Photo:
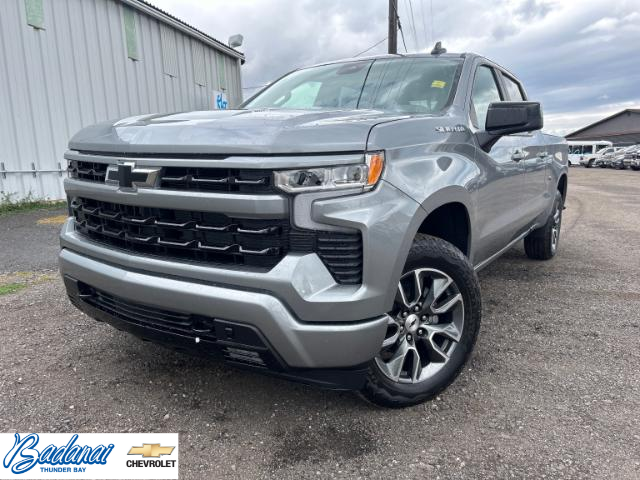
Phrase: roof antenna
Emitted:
{"points": [[437, 50]]}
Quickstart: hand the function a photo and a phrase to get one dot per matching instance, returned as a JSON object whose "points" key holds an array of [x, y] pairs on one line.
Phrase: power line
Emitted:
{"points": [[413, 25], [433, 35], [424, 24], [402, 36], [372, 46]]}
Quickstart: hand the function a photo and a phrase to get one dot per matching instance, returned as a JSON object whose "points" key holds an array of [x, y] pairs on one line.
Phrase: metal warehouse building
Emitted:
{"points": [[623, 128], [66, 64]]}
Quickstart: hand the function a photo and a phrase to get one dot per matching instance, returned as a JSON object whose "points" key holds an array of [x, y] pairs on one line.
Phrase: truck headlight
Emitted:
{"points": [[365, 175]]}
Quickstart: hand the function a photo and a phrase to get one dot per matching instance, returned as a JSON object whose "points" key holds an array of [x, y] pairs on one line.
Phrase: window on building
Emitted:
{"points": [[199, 74], [131, 40], [222, 74], [35, 13], [169, 50]]}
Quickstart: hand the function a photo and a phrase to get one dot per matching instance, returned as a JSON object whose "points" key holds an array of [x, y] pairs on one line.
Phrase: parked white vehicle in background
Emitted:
{"points": [[602, 158], [586, 152], [630, 156]]}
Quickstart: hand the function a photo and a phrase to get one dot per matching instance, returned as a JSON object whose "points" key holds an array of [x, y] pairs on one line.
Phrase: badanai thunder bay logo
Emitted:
{"points": [[26, 454]]}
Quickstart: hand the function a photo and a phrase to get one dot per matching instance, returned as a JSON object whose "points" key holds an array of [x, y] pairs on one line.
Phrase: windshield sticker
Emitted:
{"points": [[438, 84]]}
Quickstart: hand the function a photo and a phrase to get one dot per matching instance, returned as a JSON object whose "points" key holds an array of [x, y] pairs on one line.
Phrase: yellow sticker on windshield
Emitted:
{"points": [[438, 84]]}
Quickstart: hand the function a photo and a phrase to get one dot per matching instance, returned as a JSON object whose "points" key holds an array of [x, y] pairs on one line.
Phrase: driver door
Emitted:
{"points": [[500, 196]]}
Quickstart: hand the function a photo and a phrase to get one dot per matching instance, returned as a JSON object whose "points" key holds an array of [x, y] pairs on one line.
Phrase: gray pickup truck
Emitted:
{"points": [[328, 231]]}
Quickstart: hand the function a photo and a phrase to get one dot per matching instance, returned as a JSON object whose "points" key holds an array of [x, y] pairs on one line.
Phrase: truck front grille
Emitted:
{"points": [[89, 171], [179, 234], [229, 180], [217, 180], [214, 238]]}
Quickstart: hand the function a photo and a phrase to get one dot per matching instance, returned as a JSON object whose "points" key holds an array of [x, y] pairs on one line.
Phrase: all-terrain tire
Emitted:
{"points": [[539, 244], [432, 252]]}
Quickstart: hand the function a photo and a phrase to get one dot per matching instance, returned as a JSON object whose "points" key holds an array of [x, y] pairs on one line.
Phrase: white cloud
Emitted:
{"points": [[606, 24]]}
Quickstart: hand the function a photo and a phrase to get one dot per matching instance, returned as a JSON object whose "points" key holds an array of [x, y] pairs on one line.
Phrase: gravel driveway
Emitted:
{"points": [[553, 389]]}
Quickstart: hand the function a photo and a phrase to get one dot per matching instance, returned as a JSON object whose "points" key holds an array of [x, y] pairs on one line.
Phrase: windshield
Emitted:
{"points": [[403, 85]]}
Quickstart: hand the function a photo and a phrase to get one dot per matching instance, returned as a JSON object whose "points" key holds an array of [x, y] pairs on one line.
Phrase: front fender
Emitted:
{"points": [[435, 175]]}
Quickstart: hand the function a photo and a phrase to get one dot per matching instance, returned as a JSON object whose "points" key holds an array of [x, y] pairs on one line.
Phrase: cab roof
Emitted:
{"points": [[465, 56]]}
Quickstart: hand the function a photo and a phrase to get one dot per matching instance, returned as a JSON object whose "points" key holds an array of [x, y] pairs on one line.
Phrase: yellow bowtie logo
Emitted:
{"points": [[151, 450]]}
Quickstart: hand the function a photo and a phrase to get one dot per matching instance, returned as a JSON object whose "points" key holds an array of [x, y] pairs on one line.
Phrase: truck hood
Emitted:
{"points": [[235, 132]]}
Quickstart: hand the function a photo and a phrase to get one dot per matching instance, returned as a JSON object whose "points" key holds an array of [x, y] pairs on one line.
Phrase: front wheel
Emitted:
{"points": [[432, 327]]}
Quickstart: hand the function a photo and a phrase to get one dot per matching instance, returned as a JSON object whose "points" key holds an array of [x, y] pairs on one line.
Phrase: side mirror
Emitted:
{"points": [[504, 118]]}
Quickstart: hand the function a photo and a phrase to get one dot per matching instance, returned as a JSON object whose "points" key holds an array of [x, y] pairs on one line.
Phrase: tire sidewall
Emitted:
{"points": [[558, 204], [461, 272]]}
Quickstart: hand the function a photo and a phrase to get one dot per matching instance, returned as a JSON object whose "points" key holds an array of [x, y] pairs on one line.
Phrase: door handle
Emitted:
{"points": [[517, 155], [542, 154]]}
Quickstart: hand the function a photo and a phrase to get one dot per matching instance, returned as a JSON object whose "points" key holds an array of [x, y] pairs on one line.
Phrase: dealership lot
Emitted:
{"points": [[552, 391]]}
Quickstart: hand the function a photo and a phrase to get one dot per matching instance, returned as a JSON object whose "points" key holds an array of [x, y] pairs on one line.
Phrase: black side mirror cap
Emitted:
{"points": [[504, 118]]}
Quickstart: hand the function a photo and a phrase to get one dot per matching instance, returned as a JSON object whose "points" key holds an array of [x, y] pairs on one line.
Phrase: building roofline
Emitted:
{"points": [[183, 26], [633, 110]]}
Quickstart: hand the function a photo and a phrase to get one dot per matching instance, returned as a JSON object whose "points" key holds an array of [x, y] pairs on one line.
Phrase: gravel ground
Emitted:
{"points": [[552, 391]]}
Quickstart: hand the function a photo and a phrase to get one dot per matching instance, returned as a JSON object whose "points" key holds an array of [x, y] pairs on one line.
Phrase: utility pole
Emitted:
{"points": [[393, 26]]}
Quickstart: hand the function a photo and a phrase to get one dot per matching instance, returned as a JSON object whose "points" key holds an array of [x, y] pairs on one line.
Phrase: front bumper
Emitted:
{"points": [[294, 343]]}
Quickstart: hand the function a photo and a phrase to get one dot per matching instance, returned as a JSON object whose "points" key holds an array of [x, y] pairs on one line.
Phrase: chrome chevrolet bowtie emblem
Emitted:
{"points": [[126, 175]]}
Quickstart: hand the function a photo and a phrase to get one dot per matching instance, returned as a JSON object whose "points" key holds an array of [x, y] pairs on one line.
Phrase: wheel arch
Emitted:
{"points": [[448, 215], [562, 185], [451, 197], [449, 222]]}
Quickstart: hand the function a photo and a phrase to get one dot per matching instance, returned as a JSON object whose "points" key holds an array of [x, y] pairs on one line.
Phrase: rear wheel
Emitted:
{"points": [[432, 327], [542, 243], [589, 163]]}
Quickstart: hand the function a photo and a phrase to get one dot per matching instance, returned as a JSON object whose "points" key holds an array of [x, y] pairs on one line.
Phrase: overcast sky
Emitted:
{"points": [[580, 58]]}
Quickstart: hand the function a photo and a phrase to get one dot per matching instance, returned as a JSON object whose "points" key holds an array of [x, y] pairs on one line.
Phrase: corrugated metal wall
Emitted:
{"points": [[76, 71]]}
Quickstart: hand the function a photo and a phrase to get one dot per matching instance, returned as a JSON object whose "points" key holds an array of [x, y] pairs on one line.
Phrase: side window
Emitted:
{"points": [[485, 91], [513, 89], [587, 150]]}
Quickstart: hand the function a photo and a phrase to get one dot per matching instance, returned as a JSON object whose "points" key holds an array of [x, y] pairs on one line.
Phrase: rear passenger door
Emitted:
{"points": [[535, 158], [499, 198]]}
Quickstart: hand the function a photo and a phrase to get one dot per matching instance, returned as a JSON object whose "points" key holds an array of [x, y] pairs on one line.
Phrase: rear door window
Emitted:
{"points": [[513, 89]]}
